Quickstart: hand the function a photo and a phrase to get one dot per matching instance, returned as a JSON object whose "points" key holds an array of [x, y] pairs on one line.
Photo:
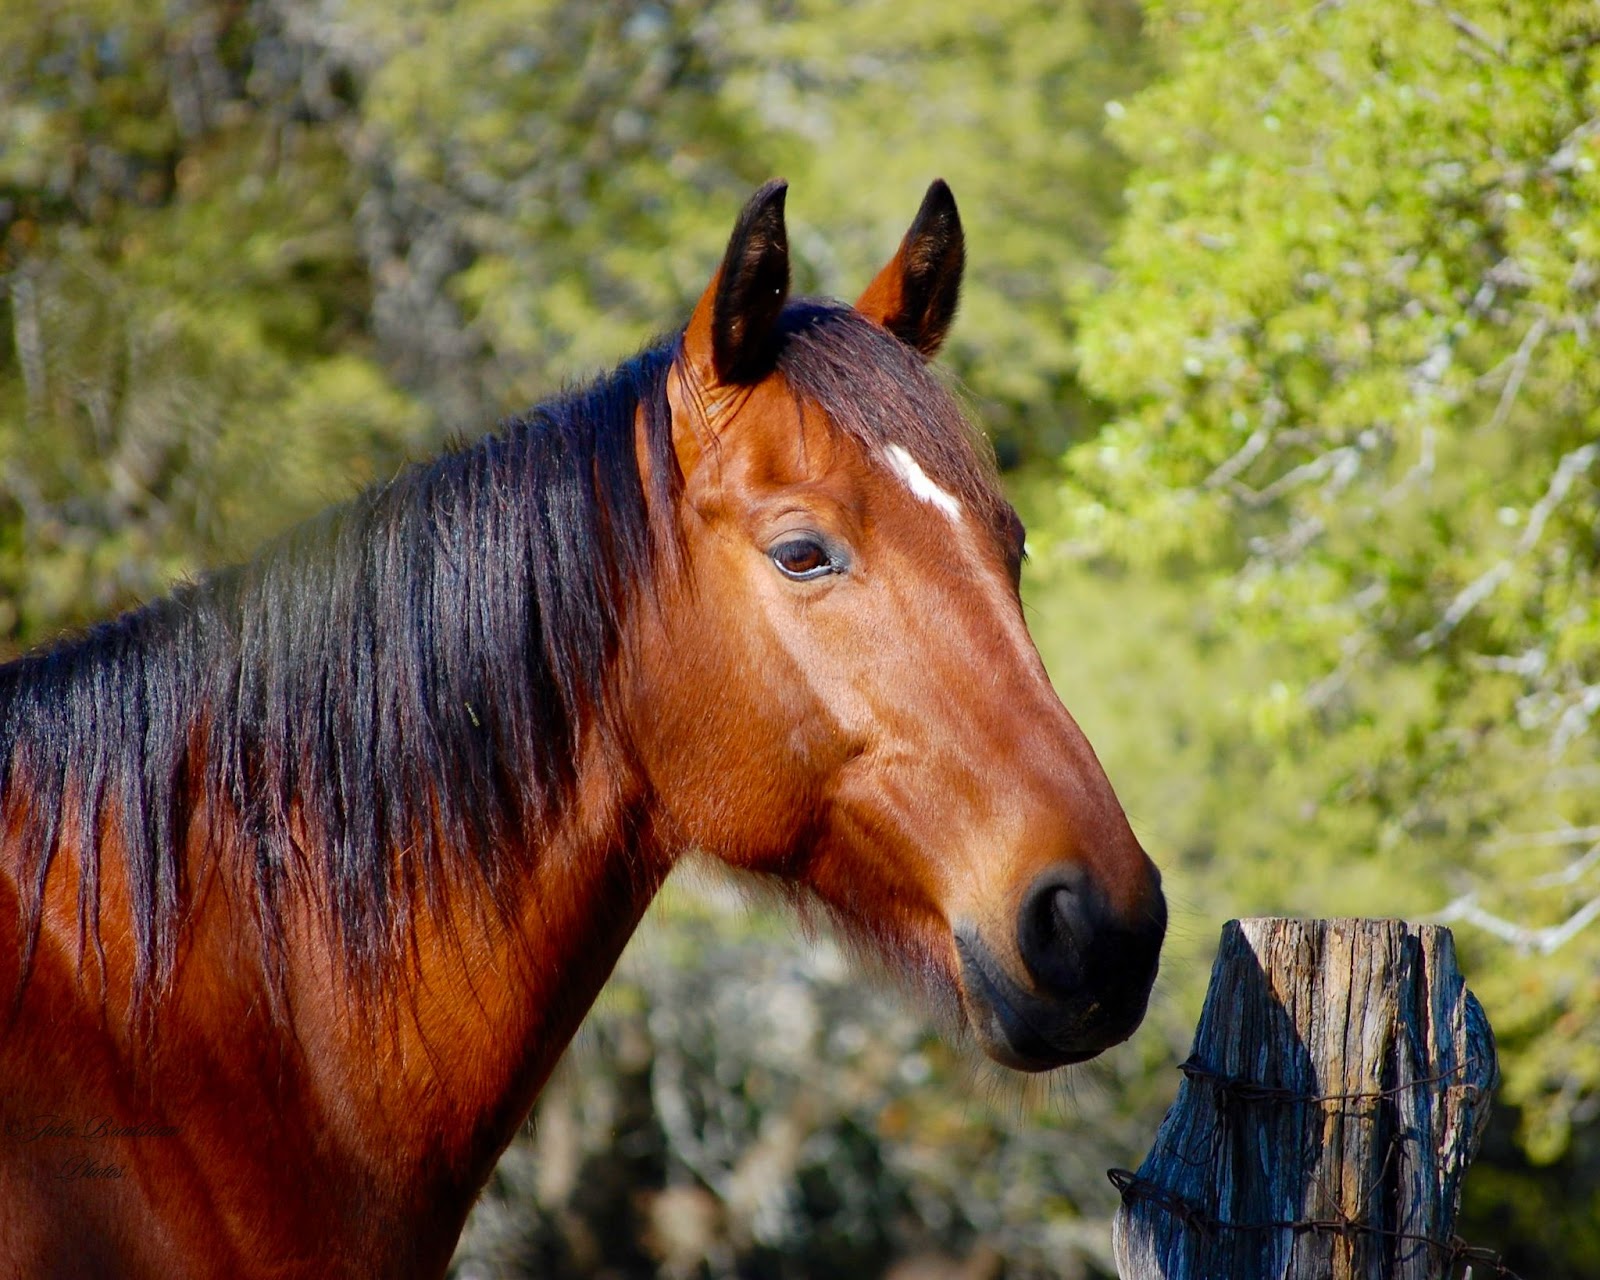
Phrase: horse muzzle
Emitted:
{"points": [[1089, 973]]}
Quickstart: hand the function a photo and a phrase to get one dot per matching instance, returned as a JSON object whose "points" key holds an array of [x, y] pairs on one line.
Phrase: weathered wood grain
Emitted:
{"points": [[1338, 1085]]}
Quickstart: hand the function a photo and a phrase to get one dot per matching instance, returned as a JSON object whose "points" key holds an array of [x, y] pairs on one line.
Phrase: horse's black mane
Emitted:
{"points": [[394, 689]]}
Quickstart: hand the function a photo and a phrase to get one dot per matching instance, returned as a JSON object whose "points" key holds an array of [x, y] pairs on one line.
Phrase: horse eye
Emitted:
{"points": [[802, 559]]}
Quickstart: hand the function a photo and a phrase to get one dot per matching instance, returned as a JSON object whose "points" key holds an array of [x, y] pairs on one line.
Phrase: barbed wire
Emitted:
{"points": [[1449, 1253], [1241, 1090], [1233, 1094]]}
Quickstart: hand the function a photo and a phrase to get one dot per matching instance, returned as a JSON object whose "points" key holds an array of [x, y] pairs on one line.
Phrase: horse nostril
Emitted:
{"points": [[1067, 908], [1056, 927], [1078, 949], [1067, 924]]}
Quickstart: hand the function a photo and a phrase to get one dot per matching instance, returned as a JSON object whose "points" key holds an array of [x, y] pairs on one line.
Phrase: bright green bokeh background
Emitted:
{"points": [[1282, 318]]}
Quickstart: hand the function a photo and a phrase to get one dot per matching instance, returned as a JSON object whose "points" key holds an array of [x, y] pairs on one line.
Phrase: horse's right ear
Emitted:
{"points": [[914, 297], [730, 338]]}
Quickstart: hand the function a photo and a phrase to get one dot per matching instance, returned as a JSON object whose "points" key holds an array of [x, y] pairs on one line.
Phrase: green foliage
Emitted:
{"points": [[576, 148], [1349, 347], [185, 303], [256, 256]]}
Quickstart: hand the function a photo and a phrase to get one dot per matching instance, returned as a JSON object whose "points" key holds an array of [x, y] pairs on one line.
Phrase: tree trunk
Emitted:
{"points": [[1338, 1085]]}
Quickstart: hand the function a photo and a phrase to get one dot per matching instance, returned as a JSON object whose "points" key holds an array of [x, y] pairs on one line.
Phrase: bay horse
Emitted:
{"points": [[313, 867]]}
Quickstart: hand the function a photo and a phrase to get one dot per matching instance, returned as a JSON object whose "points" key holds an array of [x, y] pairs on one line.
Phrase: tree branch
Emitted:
{"points": [[1519, 370], [1567, 471], [1228, 471], [1545, 839], [1339, 465], [1466, 910], [1472, 31]]}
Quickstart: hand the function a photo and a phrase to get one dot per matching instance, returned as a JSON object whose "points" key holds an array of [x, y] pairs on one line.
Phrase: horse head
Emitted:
{"points": [[842, 693]]}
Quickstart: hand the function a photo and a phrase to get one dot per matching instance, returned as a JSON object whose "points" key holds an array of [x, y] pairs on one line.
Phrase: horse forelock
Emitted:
{"points": [[882, 395]]}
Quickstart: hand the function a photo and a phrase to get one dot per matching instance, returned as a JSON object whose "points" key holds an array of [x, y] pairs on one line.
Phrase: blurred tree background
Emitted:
{"points": [[1280, 317]]}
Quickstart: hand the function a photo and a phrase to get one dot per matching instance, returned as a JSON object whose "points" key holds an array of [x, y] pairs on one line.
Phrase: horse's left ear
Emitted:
{"points": [[914, 297], [730, 339]]}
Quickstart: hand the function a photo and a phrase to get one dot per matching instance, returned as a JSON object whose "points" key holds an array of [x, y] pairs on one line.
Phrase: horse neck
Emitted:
{"points": [[310, 1109], [434, 1078]]}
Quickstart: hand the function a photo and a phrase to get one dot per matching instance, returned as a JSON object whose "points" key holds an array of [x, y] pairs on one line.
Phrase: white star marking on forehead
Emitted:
{"points": [[917, 480]]}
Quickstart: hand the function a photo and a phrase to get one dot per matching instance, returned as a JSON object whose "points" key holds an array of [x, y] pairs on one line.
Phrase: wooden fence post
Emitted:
{"points": [[1338, 1085]]}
